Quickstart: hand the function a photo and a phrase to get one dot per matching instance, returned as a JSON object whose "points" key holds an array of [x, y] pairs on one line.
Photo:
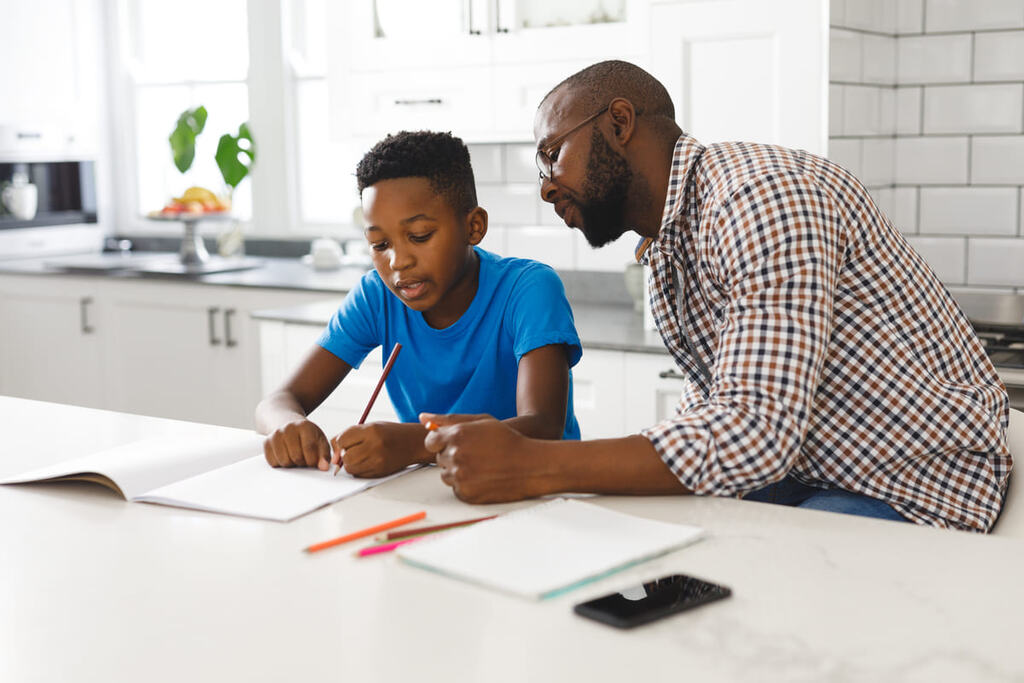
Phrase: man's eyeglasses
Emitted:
{"points": [[548, 154]]}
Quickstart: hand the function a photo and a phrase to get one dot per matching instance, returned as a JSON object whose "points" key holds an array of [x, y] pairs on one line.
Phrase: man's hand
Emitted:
{"points": [[379, 448], [297, 444], [484, 460]]}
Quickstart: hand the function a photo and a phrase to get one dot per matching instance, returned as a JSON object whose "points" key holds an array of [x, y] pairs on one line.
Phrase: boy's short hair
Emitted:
{"points": [[441, 158]]}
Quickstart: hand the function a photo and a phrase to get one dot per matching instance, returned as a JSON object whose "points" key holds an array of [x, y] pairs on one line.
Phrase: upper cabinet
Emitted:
{"points": [[475, 67], [736, 69]]}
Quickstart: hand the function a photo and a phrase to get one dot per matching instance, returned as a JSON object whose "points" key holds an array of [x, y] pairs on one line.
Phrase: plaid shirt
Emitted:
{"points": [[817, 343]]}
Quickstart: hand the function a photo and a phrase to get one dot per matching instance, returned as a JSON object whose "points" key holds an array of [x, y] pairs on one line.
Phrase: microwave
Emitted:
{"points": [[61, 217]]}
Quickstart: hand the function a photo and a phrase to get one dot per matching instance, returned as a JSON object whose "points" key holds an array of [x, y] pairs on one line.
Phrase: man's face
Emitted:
{"points": [[589, 180]]}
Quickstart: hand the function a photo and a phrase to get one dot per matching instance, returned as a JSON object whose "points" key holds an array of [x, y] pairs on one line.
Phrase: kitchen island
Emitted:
{"points": [[97, 589]]}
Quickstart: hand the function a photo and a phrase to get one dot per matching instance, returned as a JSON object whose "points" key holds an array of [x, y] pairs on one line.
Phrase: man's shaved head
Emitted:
{"points": [[598, 84]]}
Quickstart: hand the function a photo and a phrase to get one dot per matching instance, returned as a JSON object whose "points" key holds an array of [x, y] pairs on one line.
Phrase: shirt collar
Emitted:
{"points": [[684, 157]]}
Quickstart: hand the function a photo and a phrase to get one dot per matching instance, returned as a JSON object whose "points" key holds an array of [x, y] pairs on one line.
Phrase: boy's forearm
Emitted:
{"points": [[627, 465], [536, 426], [277, 409]]}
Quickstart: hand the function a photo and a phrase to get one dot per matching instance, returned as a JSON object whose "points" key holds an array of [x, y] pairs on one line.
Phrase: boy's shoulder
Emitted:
{"points": [[512, 265]]}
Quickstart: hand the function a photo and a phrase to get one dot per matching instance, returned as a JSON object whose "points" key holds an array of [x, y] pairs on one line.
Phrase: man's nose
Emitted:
{"points": [[548, 190]]}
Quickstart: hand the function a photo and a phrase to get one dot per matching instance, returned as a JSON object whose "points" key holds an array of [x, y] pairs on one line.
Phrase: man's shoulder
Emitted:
{"points": [[728, 167]]}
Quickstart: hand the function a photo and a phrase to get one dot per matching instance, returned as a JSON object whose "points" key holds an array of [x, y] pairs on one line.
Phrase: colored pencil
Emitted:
{"points": [[431, 427], [370, 531], [380, 383], [385, 547], [405, 533]]}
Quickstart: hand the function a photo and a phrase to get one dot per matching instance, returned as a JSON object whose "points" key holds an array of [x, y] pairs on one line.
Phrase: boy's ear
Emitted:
{"points": [[476, 222]]}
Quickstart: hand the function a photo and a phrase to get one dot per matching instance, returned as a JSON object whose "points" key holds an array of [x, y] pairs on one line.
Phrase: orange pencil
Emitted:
{"points": [[380, 383], [431, 427], [366, 532]]}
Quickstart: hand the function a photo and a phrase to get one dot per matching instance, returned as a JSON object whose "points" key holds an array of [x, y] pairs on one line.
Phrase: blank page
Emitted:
{"points": [[252, 488], [547, 549]]}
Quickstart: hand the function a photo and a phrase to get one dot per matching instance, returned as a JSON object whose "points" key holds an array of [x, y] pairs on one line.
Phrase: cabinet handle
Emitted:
{"points": [[228, 339], [211, 320], [671, 374], [83, 313], [414, 102]]}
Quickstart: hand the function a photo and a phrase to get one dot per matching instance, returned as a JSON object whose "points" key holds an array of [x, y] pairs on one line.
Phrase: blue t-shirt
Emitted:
{"points": [[472, 365]]}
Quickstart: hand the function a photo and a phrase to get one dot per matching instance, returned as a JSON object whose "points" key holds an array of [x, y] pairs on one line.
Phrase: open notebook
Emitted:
{"points": [[223, 473], [547, 549]]}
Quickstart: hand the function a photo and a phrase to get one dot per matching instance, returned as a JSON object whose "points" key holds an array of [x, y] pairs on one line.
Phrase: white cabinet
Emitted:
{"points": [[617, 393], [283, 346], [475, 67], [50, 348], [746, 69], [170, 349]]}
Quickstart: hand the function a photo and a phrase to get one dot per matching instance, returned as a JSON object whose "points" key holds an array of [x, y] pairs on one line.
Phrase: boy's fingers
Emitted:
{"points": [[309, 448]]}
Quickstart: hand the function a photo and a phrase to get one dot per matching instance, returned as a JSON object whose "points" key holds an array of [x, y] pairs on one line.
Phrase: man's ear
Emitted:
{"points": [[623, 115], [476, 222]]}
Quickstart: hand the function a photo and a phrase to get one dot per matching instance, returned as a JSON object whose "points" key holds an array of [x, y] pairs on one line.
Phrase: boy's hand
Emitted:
{"points": [[379, 448], [482, 459], [297, 444]]}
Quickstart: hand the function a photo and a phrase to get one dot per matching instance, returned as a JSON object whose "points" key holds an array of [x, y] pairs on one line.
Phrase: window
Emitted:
{"points": [[175, 57]]}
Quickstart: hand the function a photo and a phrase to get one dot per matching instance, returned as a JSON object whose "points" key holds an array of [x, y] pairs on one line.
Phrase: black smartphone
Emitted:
{"points": [[652, 600]]}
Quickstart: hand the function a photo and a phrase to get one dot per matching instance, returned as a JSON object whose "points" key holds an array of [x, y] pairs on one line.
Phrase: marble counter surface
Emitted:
{"points": [[97, 589]]}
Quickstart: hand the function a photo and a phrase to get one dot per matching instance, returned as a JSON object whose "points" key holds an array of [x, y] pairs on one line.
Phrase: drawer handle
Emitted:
{"points": [[434, 101], [228, 339], [671, 374], [83, 312], [211, 320]]}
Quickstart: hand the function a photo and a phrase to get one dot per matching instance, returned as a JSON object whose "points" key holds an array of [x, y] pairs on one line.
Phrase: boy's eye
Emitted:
{"points": [[378, 246], [422, 238]]}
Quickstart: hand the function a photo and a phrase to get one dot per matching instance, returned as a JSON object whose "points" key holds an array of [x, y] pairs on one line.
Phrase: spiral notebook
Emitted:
{"points": [[547, 549]]}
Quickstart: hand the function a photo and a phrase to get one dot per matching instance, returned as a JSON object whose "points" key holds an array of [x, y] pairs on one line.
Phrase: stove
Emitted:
{"points": [[998, 319]]}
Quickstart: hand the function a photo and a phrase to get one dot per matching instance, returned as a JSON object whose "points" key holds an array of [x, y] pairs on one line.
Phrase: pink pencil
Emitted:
{"points": [[386, 547]]}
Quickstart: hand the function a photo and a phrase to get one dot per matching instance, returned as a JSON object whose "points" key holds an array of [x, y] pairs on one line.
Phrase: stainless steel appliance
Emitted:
{"points": [[999, 321]]}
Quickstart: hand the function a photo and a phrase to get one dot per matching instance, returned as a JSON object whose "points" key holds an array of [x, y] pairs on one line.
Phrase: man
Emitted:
{"points": [[828, 366]]}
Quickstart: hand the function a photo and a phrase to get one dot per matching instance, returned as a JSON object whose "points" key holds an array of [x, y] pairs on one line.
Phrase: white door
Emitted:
{"points": [[751, 70]]}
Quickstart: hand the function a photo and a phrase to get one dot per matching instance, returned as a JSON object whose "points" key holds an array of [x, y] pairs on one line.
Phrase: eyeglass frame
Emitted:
{"points": [[542, 152]]}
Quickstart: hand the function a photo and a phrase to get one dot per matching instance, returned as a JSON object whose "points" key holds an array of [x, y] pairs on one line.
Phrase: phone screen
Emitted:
{"points": [[646, 602]]}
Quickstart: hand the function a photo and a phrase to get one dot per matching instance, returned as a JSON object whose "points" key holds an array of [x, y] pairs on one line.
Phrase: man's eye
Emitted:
{"points": [[553, 154], [421, 238], [379, 246]]}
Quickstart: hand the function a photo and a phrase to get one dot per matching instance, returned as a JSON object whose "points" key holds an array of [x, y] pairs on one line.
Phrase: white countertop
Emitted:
{"points": [[93, 588]]}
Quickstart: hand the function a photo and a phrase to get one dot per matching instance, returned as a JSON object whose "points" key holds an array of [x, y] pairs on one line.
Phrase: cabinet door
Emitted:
{"points": [[598, 382], [50, 346], [536, 31], [399, 34], [653, 389], [753, 70], [169, 360]]}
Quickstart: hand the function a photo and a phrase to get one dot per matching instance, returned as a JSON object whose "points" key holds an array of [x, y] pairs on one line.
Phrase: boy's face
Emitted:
{"points": [[421, 246]]}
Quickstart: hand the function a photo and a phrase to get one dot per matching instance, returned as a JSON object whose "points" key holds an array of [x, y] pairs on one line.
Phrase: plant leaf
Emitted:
{"points": [[183, 138], [231, 154]]}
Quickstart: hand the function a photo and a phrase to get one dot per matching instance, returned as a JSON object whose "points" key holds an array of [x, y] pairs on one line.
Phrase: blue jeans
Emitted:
{"points": [[791, 492]]}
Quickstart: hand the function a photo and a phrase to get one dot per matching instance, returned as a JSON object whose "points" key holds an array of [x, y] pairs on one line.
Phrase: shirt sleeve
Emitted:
{"points": [[778, 246], [354, 329], [539, 314]]}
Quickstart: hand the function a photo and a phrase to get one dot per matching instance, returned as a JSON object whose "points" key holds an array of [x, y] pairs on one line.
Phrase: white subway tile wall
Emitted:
{"points": [[933, 91]]}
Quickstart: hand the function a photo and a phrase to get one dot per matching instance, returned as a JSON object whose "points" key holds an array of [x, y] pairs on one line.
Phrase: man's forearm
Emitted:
{"points": [[627, 465]]}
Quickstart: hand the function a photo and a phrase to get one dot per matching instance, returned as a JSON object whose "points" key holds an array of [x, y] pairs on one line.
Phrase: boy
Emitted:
{"points": [[479, 333]]}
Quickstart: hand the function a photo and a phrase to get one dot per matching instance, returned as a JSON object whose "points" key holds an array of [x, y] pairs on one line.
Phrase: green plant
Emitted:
{"points": [[235, 153]]}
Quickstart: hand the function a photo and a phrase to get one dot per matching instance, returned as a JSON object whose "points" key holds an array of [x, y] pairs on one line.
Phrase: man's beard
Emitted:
{"points": [[605, 189]]}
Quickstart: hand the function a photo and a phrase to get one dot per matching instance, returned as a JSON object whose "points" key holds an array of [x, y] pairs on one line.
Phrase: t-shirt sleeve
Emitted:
{"points": [[353, 331], [540, 314]]}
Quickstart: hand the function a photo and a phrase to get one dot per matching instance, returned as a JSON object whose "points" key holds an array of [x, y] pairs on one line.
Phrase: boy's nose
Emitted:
{"points": [[400, 259]]}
